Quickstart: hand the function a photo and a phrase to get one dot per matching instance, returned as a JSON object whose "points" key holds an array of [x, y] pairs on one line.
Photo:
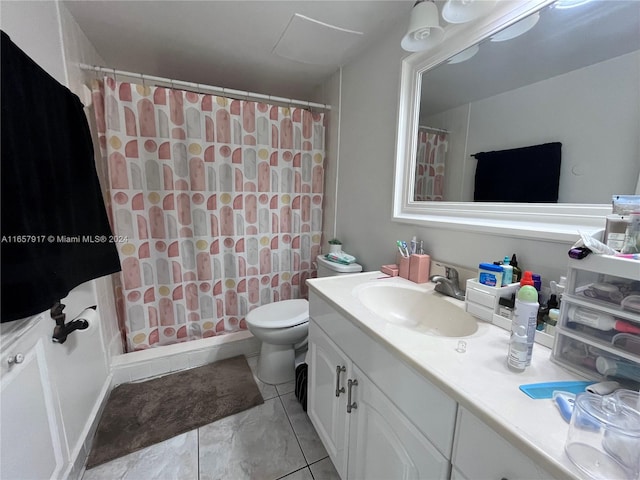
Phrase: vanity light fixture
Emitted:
{"points": [[517, 29], [424, 30], [462, 11], [464, 55]]}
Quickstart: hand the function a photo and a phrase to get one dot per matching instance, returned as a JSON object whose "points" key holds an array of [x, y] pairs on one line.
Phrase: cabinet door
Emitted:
{"points": [[383, 443], [479, 452], [329, 369], [30, 444]]}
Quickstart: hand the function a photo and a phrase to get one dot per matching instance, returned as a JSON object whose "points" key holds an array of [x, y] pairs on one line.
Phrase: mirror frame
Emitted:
{"points": [[549, 222]]}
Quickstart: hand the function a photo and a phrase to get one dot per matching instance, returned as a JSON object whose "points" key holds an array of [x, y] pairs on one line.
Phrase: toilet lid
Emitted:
{"points": [[286, 313]]}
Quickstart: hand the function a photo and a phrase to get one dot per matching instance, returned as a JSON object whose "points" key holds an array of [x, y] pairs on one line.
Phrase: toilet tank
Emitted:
{"points": [[330, 269]]}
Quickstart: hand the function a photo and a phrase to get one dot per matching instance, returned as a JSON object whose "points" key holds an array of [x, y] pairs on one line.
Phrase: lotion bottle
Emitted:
{"points": [[507, 272], [526, 311]]}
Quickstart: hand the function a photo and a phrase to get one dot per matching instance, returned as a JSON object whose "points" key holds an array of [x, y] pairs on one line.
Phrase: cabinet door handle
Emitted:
{"points": [[339, 389], [350, 405]]}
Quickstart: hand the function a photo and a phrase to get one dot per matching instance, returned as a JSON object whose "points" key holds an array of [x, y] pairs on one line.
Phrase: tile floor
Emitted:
{"points": [[275, 440]]}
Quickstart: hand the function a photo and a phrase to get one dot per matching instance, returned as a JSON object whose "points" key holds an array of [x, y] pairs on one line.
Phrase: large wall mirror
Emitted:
{"points": [[573, 78]]}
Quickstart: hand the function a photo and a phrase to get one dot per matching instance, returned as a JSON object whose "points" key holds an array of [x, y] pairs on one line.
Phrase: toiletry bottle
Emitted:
{"points": [[543, 311], [526, 311], [537, 281], [551, 321], [507, 272], [518, 350], [632, 235], [600, 320], [517, 272], [505, 308]]}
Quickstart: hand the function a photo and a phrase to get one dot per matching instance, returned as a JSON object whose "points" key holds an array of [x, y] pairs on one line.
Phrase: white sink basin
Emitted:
{"points": [[416, 309]]}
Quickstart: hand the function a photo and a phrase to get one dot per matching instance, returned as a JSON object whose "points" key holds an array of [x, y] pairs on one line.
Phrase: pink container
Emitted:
{"points": [[419, 268]]}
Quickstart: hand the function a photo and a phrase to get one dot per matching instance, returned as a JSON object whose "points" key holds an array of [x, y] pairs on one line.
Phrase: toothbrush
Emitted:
{"points": [[406, 249], [399, 244]]}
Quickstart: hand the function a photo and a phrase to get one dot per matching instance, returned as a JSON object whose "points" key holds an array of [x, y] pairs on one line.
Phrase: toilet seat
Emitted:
{"points": [[283, 314]]}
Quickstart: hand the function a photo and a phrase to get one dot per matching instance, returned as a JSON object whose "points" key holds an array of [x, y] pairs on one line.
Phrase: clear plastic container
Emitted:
{"points": [[604, 435]]}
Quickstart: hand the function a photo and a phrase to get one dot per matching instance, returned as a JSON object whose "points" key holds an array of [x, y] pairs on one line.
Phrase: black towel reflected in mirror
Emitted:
{"points": [[519, 175]]}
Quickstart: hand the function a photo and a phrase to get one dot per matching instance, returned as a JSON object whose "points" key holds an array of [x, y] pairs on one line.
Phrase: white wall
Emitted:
{"points": [[78, 49], [370, 92], [79, 368], [581, 109], [35, 28]]}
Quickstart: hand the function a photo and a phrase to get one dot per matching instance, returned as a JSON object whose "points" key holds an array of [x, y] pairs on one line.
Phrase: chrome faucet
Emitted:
{"points": [[448, 285]]}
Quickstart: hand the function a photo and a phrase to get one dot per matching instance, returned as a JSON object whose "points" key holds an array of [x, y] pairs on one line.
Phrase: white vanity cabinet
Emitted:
{"points": [[31, 444], [398, 425], [383, 443], [479, 452], [329, 369]]}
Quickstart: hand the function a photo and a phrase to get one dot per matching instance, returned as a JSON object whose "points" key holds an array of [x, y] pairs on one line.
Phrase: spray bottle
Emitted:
{"points": [[526, 312]]}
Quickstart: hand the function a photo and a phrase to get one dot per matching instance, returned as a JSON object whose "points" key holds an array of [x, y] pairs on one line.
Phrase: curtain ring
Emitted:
{"points": [[115, 76], [144, 85]]}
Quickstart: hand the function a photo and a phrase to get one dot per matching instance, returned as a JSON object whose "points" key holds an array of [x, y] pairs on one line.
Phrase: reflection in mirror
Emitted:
{"points": [[573, 78]]}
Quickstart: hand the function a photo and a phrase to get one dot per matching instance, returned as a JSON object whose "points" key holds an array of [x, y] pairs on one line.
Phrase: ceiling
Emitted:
{"points": [[232, 43], [563, 40]]}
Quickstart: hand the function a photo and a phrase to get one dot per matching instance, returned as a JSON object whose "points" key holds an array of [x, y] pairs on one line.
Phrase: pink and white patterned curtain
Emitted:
{"points": [[216, 205], [430, 162]]}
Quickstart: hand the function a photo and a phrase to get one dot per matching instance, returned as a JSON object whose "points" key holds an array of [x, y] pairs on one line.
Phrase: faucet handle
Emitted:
{"points": [[451, 273]]}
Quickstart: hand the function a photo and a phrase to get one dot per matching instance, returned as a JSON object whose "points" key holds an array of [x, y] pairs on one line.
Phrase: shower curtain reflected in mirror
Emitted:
{"points": [[216, 205], [430, 165]]}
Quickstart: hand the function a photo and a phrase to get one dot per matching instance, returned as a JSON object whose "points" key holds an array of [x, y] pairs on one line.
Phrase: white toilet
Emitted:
{"points": [[282, 327]]}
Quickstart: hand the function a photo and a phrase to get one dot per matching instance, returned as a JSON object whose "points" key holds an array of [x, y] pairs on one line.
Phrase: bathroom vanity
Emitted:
{"points": [[397, 400]]}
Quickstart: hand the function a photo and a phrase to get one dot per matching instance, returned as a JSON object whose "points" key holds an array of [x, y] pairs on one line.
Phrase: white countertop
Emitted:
{"points": [[478, 379]]}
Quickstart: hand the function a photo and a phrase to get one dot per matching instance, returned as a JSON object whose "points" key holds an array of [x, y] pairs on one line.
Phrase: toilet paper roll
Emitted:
{"points": [[91, 316]]}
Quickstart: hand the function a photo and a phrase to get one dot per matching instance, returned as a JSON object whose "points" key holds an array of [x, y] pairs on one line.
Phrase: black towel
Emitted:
{"points": [[526, 175], [53, 214]]}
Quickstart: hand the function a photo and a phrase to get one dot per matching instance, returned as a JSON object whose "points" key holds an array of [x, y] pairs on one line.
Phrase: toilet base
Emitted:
{"points": [[276, 364]]}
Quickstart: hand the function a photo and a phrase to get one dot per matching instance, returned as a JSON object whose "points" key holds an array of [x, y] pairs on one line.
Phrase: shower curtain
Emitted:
{"points": [[430, 162], [215, 204]]}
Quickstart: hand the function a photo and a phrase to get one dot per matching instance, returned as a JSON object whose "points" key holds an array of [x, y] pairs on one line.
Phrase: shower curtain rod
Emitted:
{"points": [[433, 129], [202, 88]]}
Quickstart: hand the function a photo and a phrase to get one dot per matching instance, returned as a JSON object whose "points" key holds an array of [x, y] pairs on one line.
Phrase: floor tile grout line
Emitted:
{"points": [[295, 471], [294, 431], [198, 450]]}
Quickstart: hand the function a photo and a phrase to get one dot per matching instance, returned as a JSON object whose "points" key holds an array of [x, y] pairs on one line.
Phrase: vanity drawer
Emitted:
{"points": [[479, 311], [481, 298], [605, 282], [595, 361], [479, 452]]}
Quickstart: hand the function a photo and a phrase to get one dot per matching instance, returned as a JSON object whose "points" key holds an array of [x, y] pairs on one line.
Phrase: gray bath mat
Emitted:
{"points": [[138, 415]]}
